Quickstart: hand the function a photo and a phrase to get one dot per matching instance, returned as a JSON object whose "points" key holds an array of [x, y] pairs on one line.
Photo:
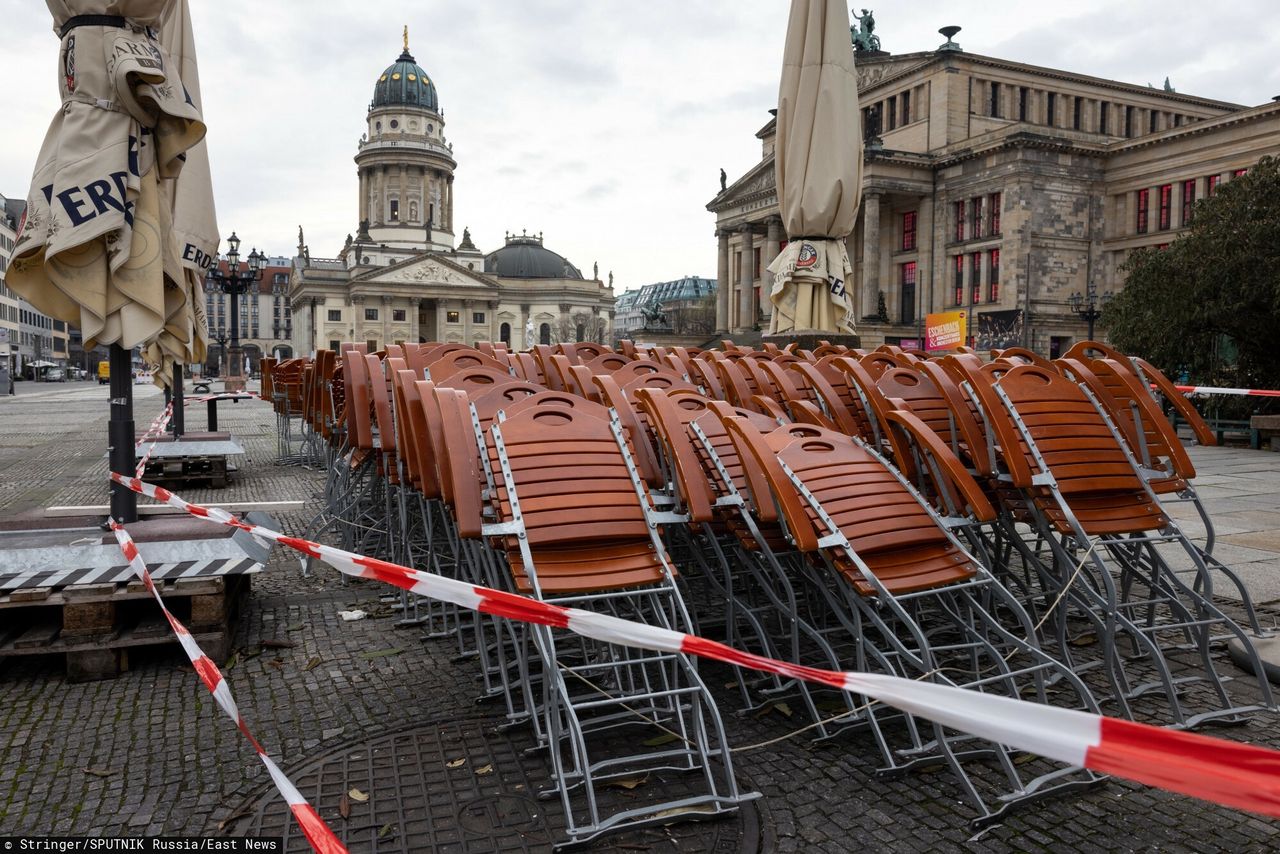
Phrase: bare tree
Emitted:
{"points": [[693, 318]]}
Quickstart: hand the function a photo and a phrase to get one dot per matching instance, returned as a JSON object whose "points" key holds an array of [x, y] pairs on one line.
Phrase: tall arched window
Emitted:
{"points": [[504, 334], [544, 333]]}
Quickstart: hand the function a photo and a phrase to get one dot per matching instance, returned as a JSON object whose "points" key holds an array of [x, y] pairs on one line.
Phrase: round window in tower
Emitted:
{"points": [[394, 124], [431, 128], [412, 77], [395, 76]]}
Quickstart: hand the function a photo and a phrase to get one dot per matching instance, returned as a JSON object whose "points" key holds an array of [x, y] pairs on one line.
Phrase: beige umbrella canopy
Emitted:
{"points": [[818, 171], [185, 336], [97, 246]]}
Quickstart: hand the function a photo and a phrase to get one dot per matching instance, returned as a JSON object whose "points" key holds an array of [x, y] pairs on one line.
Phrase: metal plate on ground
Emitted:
{"points": [[59, 558], [460, 786]]}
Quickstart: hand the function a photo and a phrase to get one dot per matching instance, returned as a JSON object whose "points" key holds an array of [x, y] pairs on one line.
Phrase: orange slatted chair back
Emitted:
{"points": [[381, 398], [457, 361], [887, 527], [355, 376], [1161, 440], [607, 363], [489, 403], [476, 380]]}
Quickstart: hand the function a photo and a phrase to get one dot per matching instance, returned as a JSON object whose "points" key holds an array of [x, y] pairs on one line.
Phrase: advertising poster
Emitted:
{"points": [[944, 330], [1000, 329]]}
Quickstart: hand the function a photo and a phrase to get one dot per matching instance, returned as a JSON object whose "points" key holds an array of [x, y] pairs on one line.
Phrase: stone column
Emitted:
{"points": [[415, 325], [441, 314], [724, 288], [364, 192], [746, 297], [446, 199], [404, 192], [466, 320], [493, 320], [565, 322], [314, 328], [925, 266], [385, 317], [357, 320], [870, 253], [772, 246]]}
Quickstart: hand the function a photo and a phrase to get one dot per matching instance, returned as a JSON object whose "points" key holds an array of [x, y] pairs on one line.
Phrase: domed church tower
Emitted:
{"points": [[405, 167]]}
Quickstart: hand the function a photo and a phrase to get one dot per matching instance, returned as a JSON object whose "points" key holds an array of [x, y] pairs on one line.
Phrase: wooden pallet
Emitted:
{"points": [[212, 470], [96, 625]]}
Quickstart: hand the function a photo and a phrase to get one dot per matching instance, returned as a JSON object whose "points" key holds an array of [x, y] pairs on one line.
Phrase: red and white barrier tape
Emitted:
{"points": [[153, 434], [322, 839], [1211, 389], [1225, 772]]}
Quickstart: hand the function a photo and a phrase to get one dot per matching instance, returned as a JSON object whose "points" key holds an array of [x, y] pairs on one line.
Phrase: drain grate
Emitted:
{"points": [[463, 788]]}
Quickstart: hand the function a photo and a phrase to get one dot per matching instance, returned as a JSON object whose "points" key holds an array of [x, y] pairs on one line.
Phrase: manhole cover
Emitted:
{"points": [[461, 787]]}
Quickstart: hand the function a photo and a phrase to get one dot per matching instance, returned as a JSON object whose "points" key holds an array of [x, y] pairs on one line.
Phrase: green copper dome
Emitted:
{"points": [[405, 84]]}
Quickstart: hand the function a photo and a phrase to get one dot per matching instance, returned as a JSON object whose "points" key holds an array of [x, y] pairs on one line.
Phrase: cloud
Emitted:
{"points": [[603, 125]]}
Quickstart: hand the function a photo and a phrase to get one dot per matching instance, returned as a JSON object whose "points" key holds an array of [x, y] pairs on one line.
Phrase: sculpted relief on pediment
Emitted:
{"points": [[429, 273]]}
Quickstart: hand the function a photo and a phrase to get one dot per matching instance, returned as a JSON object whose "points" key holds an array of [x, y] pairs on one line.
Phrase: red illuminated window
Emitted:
{"points": [[993, 275], [993, 202], [1144, 204], [1166, 206], [1238, 173], [975, 276], [959, 290], [908, 231], [1213, 181], [959, 220], [975, 217], [1188, 200]]}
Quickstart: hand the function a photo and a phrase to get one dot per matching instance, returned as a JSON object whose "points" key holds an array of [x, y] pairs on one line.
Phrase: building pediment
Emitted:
{"points": [[427, 270], [873, 72], [758, 182]]}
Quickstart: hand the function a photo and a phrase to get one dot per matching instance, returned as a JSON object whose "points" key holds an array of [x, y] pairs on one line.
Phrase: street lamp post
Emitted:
{"points": [[235, 282], [1090, 305], [219, 335]]}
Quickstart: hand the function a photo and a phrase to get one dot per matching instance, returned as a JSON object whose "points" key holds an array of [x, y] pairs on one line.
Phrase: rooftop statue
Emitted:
{"points": [[864, 39]]}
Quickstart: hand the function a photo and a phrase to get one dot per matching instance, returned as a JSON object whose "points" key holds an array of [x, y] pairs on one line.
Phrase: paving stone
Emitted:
{"points": [[178, 765]]}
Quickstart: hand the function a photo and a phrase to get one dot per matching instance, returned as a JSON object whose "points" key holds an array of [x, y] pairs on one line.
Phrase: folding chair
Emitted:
{"points": [[578, 528], [918, 604], [1084, 495]]}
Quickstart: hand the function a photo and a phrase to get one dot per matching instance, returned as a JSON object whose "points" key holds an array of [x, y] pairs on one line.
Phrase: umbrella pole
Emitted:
{"points": [[179, 425], [120, 435]]}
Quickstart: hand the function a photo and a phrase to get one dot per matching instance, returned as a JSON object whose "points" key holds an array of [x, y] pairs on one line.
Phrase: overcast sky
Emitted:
{"points": [[603, 124]]}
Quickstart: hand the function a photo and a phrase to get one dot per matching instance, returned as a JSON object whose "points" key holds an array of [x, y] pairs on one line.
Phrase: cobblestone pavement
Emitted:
{"points": [[149, 753]]}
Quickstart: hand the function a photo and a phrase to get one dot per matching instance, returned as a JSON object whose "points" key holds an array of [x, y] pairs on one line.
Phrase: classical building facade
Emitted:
{"points": [[404, 276], [29, 335], [683, 307], [991, 185], [266, 318]]}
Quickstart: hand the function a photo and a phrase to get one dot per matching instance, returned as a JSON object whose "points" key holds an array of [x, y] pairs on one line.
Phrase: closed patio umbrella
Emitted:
{"points": [[818, 171], [95, 243], [97, 247], [185, 336]]}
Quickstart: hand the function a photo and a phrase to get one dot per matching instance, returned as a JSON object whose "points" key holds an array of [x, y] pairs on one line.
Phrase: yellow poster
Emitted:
{"points": [[944, 330]]}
